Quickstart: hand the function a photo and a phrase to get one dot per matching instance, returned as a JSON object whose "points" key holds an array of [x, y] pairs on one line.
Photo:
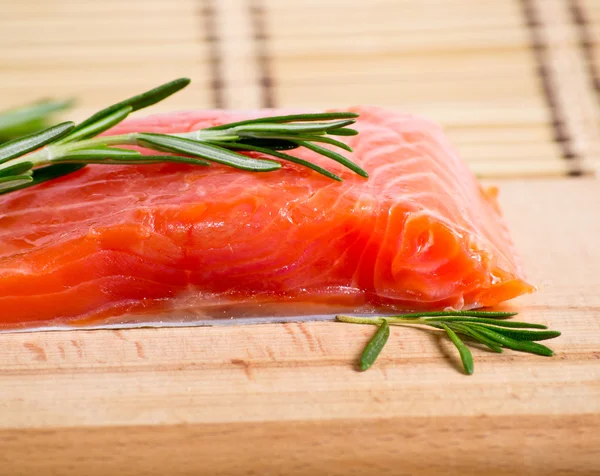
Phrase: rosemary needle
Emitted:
{"points": [[486, 327], [375, 346], [18, 147], [463, 350], [67, 147]]}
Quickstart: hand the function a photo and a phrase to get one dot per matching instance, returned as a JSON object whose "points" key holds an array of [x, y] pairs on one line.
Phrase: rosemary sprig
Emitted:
{"points": [[486, 327], [29, 119], [67, 147]]}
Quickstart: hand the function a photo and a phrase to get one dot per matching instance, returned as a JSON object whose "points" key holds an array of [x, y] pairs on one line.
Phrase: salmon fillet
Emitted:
{"points": [[170, 241]]}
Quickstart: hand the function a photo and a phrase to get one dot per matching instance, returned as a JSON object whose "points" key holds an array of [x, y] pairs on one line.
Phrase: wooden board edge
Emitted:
{"points": [[526, 444]]}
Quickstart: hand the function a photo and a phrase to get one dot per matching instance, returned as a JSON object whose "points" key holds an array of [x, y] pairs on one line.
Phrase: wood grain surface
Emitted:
{"points": [[286, 399]]}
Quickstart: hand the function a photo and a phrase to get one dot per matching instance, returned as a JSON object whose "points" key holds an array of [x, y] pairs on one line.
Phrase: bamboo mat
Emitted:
{"points": [[516, 83]]}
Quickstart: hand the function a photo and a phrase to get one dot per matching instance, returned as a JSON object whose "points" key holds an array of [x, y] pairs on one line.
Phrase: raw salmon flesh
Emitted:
{"points": [[118, 244]]}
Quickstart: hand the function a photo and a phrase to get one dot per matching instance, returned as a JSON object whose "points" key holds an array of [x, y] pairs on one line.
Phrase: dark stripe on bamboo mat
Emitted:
{"points": [[257, 16], [540, 51], [586, 42], [211, 37]]}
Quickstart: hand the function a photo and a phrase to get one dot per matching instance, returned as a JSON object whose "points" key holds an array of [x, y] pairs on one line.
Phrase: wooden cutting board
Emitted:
{"points": [[286, 399]]}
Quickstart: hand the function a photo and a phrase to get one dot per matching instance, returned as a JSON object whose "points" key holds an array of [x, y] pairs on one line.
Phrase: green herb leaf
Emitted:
{"points": [[97, 153], [16, 169], [335, 156], [469, 331], [289, 158], [482, 320], [11, 178], [520, 334], [291, 138], [526, 346], [206, 151], [11, 182], [325, 116], [276, 129], [105, 148], [463, 350], [375, 346], [139, 101], [101, 125], [343, 132], [328, 140], [44, 174], [128, 159], [24, 145], [270, 144]]}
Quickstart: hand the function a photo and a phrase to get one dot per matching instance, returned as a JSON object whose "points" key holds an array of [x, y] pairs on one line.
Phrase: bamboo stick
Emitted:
{"points": [[238, 69], [501, 152], [528, 169], [423, 89], [467, 40], [33, 8], [501, 134], [406, 6], [574, 97], [462, 64], [174, 24], [385, 22], [49, 55]]}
